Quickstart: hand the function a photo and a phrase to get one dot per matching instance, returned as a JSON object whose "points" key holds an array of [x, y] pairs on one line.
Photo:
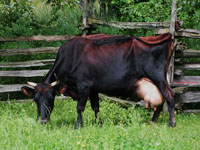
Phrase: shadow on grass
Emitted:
{"points": [[64, 122], [70, 123], [162, 119]]}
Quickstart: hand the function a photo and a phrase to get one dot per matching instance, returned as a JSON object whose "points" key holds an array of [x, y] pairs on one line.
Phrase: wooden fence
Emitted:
{"points": [[27, 73]]}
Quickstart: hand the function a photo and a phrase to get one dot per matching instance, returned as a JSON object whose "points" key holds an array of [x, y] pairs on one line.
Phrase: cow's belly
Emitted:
{"points": [[118, 87], [149, 92]]}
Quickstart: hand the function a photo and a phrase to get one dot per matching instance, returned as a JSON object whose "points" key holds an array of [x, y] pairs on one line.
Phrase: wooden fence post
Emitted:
{"points": [[84, 17], [172, 31]]}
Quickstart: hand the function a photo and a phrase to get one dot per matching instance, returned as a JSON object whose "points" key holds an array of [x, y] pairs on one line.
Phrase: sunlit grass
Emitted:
{"points": [[122, 129]]}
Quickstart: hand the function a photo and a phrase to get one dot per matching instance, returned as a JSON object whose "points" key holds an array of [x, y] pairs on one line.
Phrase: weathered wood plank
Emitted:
{"points": [[188, 33], [173, 18], [28, 51], [191, 111], [33, 63], [190, 81], [187, 53], [38, 38], [129, 25], [11, 88], [27, 100], [180, 90], [188, 66], [190, 97], [122, 102], [172, 31], [23, 73], [179, 61], [171, 72], [178, 73]]}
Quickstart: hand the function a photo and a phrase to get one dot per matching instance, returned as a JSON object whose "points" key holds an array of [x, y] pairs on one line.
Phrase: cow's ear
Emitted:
{"points": [[28, 91], [61, 89]]}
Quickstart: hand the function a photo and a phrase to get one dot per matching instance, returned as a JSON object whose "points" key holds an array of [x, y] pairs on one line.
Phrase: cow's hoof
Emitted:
{"points": [[78, 125], [172, 124], [100, 123], [44, 121]]}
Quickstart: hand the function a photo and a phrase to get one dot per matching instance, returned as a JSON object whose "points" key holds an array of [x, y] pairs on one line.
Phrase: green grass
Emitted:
{"points": [[122, 129]]}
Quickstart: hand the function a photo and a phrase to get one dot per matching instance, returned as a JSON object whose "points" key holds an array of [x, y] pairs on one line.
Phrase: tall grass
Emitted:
{"points": [[122, 129]]}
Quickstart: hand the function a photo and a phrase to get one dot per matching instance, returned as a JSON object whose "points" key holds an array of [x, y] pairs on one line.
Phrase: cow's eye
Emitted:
{"points": [[37, 96]]}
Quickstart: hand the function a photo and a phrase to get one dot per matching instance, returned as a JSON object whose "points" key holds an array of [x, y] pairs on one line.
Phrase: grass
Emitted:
{"points": [[122, 129]]}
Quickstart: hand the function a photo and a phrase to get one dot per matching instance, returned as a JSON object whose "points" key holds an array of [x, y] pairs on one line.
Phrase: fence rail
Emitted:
{"points": [[38, 38], [28, 51], [33, 63], [129, 25], [11, 88], [23, 73], [188, 33]]}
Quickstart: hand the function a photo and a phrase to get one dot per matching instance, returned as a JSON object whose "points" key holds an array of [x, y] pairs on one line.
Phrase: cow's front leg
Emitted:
{"points": [[83, 91], [157, 113], [38, 113]]}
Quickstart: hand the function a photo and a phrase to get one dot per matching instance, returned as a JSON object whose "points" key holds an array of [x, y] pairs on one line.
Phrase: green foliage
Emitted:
{"points": [[42, 14], [11, 11], [122, 129], [28, 18], [142, 11], [69, 19], [189, 12]]}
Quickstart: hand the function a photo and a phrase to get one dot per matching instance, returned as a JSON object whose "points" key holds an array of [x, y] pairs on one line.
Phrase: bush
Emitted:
{"points": [[42, 14]]}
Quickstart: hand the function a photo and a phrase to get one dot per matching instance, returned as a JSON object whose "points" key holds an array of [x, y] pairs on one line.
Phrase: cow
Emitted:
{"points": [[121, 66]]}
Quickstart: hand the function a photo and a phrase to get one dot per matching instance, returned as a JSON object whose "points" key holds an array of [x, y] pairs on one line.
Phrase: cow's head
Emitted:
{"points": [[43, 95]]}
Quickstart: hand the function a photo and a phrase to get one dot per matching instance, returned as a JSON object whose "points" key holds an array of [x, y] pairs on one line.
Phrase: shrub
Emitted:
{"points": [[42, 14]]}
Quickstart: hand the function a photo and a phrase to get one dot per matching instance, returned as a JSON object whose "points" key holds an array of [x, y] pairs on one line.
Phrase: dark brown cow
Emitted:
{"points": [[114, 65]]}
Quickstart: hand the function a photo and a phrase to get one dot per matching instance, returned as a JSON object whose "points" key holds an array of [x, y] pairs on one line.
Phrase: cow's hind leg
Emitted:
{"points": [[94, 101], [83, 92], [161, 82], [168, 94], [171, 107]]}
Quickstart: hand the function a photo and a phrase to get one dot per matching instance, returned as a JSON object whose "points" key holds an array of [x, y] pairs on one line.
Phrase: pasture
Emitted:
{"points": [[125, 129]]}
